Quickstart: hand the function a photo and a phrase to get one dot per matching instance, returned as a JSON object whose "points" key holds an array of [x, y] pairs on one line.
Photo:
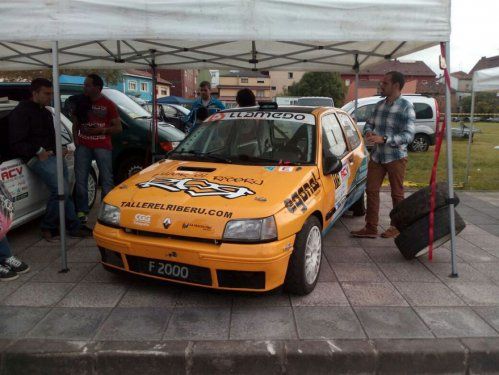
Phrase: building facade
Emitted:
{"points": [[232, 81], [415, 73], [280, 81], [183, 81], [138, 83]]}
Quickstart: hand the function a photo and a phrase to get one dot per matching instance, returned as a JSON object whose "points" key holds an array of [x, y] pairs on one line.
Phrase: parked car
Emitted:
{"points": [[426, 117], [131, 147], [242, 203], [174, 114], [30, 194], [315, 101]]}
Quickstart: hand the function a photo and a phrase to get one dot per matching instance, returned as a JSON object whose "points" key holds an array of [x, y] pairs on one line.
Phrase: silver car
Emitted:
{"points": [[30, 194]]}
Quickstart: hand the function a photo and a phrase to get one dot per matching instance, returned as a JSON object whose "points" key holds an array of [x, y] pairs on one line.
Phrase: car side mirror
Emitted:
{"points": [[331, 165]]}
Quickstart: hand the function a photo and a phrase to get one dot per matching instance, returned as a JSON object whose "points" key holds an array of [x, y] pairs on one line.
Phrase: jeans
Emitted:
{"points": [[83, 162], [375, 174], [46, 170], [4, 249]]}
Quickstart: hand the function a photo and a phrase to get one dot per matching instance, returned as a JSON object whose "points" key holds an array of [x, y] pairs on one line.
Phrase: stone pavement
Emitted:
{"points": [[372, 311]]}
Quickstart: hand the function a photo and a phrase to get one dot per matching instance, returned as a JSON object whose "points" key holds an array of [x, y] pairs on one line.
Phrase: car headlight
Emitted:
{"points": [[251, 230], [109, 215]]}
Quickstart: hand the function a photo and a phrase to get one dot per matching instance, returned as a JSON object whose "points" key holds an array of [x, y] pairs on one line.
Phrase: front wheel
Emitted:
{"points": [[129, 166], [305, 261], [421, 143]]}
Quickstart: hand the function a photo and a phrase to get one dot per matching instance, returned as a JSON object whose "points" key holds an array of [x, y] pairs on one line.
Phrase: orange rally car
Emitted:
{"points": [[242, 203]]}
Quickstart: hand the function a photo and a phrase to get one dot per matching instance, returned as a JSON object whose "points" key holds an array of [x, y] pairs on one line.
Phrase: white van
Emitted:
{"points": [[315, 101], [426, 117]]}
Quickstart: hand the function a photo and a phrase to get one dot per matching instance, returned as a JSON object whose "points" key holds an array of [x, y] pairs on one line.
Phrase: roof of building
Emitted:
{"points": [[416, 68], [485, 63], [145, 74], [243, 73], [461, 75]]}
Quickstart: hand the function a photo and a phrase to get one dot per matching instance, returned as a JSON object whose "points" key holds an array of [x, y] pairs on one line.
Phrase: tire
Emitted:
{"points": [[129, 166], [92, 188], [415, 237], [417, 205], [359, 207], [298, 280], [420, 143]]}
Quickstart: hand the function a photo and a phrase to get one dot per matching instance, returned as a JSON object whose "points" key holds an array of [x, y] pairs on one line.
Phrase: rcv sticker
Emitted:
{"points": [[197, 187]]}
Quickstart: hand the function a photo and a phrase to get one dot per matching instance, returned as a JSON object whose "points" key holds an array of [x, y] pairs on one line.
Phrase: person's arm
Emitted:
{"points": [[407, 128], [75, 128], [219, 104], [369, 125]]}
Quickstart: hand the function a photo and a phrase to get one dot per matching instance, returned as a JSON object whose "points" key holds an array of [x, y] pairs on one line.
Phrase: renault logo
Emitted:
{"points": [[166, 223]]}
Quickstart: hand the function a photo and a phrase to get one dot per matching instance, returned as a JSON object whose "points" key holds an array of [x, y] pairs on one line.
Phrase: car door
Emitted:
{"points": [[358, 158], [336, 186]]}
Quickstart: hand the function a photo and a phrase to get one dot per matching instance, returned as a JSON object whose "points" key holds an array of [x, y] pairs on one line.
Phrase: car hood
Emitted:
{"points": [[189, 198]]}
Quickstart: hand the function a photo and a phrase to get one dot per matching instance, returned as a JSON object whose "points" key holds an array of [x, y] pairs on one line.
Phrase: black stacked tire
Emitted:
{"points": [[417, 206], [415, 237]]}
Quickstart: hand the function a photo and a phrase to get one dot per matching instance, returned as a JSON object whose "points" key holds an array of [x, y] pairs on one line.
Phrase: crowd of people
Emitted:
{"points": [[96, 119]]}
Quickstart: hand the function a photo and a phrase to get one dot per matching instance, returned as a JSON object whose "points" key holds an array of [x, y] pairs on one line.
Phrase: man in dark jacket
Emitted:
{"points": [[32, 138]]}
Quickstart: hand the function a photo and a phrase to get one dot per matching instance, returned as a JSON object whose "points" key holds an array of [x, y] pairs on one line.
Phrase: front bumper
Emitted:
{"points": [[250, 267]]}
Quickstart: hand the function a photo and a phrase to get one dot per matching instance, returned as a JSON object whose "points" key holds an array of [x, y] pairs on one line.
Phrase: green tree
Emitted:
{"points": [[110, 76], [485, 102], [319, 84]]}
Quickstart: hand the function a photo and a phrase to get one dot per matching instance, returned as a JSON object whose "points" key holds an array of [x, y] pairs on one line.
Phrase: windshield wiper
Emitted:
{"points": [[142, 117], [203, 155]]}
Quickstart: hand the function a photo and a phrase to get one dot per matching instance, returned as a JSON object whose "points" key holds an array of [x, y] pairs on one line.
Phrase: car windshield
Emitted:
{"points": [[349, 106], [126, 104], [250, 142]]}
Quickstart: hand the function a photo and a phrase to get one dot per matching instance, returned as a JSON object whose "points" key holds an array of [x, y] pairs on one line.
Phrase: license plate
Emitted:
{"points": [[170, 270]]}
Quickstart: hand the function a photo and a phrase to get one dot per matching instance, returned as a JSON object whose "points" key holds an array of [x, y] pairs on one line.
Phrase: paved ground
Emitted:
{"points": [[367, 297]]}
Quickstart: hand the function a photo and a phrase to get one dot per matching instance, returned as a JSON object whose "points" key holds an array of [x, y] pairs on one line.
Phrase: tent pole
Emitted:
{"points": [[470, 136], [450, 171], [154, 109], [356, 67], [58, 146]]}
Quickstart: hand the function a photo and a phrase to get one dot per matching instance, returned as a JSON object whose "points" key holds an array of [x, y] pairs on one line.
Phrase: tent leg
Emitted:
{"points": [[470, 137], [154, 150], [58, 146], [450, 171], [356, 90]]}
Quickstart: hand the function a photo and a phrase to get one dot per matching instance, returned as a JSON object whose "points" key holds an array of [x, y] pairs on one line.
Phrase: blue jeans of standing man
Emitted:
{"points": [[4, 249], [83, 162], [46, 170]]}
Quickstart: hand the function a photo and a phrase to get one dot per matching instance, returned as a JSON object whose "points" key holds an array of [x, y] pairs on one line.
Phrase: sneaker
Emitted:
{"points": [[16, 265], [50, 235], [82, 216], [364, 233], [391, 232], [82, 232], [6, 274]]}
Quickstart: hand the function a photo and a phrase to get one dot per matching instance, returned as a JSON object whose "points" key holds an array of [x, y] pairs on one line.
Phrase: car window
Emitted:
{"points": [[423, 111], [363, 113], [251, 141], [333, 141], [349, 130], [4, 128], [170, 111]]}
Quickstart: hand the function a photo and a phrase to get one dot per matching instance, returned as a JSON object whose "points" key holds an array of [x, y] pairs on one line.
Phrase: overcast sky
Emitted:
{"points": [[475, 33]]}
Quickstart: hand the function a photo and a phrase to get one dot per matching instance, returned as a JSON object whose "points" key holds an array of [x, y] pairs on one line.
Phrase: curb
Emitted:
{"points": [[386, 356]]}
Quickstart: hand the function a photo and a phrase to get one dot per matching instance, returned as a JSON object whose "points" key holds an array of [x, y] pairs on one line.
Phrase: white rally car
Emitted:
{"points": [[29, 193]]}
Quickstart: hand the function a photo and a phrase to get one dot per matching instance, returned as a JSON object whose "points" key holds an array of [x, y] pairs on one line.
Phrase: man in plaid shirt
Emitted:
{"points": [[391, 129]]}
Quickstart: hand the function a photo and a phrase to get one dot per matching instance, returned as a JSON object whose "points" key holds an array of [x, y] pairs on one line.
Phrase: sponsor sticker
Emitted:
{"points": [[197, 187], [302, 195], [285, 169], [305, 118], [142, 220], [270, 169]]}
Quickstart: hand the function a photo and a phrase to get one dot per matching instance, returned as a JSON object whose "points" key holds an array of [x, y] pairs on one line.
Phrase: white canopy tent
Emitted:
{"points": [[483, 80], [330, 35]]}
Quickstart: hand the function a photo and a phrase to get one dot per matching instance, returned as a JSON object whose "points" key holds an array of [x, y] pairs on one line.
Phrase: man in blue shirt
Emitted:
{"points": [[391, 129], [204, 100]]}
